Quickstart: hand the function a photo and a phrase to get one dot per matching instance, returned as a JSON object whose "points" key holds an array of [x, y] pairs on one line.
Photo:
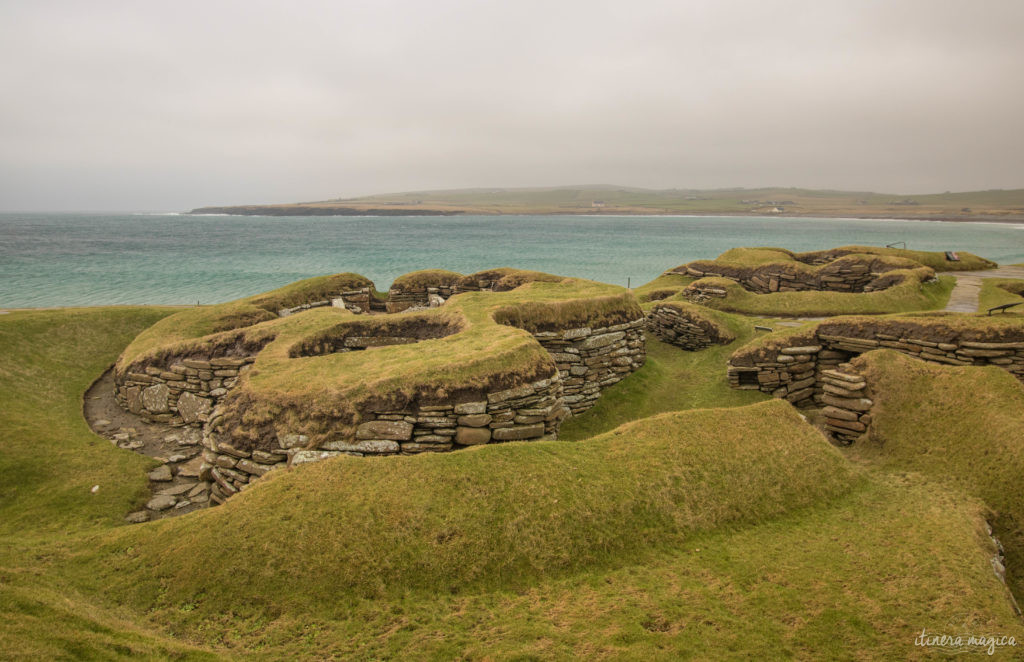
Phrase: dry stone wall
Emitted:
{"points": [[812, 369], [529, 412], [851, 277], [683, 328], [590, 359], [402, 298], [425, 297], [188, 393], [357, 301], [827, 273], [182, 394], [702, 291], [847, 403]]}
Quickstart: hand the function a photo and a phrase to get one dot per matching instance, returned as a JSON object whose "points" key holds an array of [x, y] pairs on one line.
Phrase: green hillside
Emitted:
{"points": [[701, 533], [609, 199]]}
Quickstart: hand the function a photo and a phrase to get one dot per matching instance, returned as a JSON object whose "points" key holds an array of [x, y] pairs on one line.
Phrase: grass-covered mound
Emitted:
{"points": [[858, 571], [501, 516], [598, 311], [854, 272], [959, 425], [932, 327], [937, 260], [302, 382], [49, 458], [849, 280], [49, 462], [662, 287], [318, 288], [201, 329], [504, 279], [807, 263], [421, 280], [909, 295], [943, 327]]}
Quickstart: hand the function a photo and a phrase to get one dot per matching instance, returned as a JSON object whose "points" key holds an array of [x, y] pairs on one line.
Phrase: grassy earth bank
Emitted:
{"points": [[711, 531]]}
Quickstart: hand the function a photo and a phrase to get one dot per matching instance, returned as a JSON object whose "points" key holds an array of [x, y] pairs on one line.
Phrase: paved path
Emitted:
{"points": [[964, 298]]}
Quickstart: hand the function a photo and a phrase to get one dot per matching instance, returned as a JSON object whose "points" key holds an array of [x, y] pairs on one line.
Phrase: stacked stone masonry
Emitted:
{"points": [[847, 403], [842, 277], [188, 392], [182, 394], [589, 360], [835, 270], [701, 292], [425, 297], [811, 375], [683, 329], [356, 301]]}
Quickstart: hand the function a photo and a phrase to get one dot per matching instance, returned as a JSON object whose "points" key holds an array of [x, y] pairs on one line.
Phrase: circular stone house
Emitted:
{"points": [[734, 279], [853, 269], [297, 375], [811, 367]]}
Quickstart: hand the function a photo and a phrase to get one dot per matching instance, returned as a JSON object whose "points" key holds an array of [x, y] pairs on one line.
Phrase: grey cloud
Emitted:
{"points": [[129, 105]]}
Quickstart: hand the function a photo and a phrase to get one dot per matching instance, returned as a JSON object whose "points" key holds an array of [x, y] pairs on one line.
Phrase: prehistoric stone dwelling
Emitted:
{"points": [[848, 273], [444, 361], [686, 326], [281, 391], [811, 368]]}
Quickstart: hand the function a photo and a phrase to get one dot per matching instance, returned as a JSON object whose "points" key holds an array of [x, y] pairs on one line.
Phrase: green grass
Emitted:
{"points": [[934, 259], [960, 426], [878, 256], [497, 518], [186, 327], [596, 312], [1001, 291], [757, 593], [420, 280], [662, 287], [624, 199], [670, 380], [50, 458], [939, 327], [49, 461], [908, 296], [734, 533], [907, 276], [290, 391]]}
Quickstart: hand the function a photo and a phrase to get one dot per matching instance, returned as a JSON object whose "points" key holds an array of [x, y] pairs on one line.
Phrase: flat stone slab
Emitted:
{"points": [[519, 432], [393, 430], [161, 502], [175, 490], [160, 474]]}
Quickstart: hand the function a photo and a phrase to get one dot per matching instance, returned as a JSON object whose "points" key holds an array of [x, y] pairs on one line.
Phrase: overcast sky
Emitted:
{"points": [[142, 105]]}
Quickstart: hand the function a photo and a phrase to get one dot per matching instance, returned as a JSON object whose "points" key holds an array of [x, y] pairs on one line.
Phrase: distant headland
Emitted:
{"points": [[997, 205]]}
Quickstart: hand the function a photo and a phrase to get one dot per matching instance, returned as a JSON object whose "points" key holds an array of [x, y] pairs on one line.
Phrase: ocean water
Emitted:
{"points": [[100, 259]]}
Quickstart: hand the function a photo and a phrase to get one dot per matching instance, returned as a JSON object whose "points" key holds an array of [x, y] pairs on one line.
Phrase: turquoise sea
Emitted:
{"points": [[99, 259]]}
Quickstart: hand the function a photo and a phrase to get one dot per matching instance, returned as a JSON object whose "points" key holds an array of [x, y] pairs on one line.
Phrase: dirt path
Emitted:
{"points": [[175, 484], [964, 298]]}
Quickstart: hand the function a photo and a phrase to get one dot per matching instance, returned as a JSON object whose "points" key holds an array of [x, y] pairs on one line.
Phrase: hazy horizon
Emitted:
{"points": [[117, 106]]}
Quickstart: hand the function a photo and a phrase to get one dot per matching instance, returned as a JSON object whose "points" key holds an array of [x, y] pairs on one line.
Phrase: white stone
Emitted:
{"points": [[306, 456]]}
